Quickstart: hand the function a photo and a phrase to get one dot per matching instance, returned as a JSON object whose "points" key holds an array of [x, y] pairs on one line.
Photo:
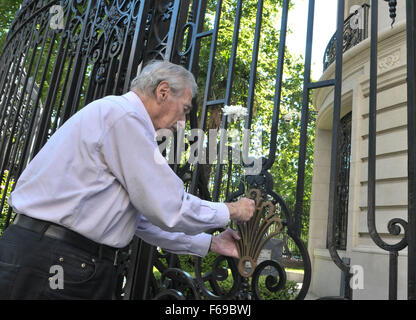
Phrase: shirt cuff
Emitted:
{"points": [[200, 244], [222, 212]]}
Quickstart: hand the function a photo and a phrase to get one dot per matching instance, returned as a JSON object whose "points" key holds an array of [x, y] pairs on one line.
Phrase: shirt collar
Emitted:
{"points": [[136, 101]]}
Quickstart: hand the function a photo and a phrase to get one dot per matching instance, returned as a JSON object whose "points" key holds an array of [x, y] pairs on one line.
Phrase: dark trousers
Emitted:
{"points": [[33, 266]]}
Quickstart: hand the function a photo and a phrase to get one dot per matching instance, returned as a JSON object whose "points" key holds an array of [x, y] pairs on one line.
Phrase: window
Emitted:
{"points": [[342, 189]]}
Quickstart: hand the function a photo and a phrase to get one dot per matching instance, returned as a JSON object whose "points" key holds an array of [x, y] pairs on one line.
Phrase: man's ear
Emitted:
{"points": [[162, 91]]}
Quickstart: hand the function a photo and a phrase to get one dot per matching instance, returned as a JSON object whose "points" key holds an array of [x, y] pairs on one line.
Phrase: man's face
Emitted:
{"points": [[173, 108]]}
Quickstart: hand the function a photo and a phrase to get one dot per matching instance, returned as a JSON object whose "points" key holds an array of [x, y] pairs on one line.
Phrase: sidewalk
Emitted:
{"points": [[311, 296]]}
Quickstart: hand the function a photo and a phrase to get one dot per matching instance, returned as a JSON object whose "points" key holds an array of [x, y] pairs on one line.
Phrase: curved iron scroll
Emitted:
{"points": [[272, 218], [266, 224], [396, 225], [175, 283]]}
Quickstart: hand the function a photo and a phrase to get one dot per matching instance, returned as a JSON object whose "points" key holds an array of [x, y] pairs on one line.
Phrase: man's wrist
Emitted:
{"points": [[213, 245], [232, 209]]}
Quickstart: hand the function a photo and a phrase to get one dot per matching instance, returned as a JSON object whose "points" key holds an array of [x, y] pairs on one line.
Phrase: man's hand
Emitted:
{"points": [[224, 243], [242, 210]]}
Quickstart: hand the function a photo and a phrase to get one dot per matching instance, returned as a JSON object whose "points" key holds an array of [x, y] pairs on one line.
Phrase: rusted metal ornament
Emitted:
{"points": [[255, 233]]}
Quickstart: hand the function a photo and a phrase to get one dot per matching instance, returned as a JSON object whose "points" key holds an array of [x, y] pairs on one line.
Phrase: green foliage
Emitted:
{"points": [[8, 9], [188, 262], [289, 292], [5, 190]]}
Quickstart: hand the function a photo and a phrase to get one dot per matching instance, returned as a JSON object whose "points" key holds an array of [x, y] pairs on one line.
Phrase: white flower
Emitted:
{"points": [[235, 112], [288, 117]]}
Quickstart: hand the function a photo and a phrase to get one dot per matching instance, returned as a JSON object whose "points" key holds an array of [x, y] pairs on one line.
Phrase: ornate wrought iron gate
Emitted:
{"points": [[61, 55]]}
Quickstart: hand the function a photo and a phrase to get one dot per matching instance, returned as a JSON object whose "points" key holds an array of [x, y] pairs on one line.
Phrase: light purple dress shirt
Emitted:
{"points": [[101, 175]]}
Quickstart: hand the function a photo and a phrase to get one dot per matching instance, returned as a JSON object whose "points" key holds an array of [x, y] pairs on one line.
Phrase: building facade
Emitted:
{"points": [[370, 264]]}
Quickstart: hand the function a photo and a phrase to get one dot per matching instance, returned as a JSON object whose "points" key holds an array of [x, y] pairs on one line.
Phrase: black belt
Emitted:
{"points": [[58, 232]]}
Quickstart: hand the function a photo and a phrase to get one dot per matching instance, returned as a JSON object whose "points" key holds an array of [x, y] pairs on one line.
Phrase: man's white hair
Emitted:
{"points": [[157, 71]]}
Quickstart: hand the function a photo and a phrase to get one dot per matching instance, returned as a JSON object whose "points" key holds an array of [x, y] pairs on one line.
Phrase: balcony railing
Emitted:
{"points": [[355, 31]]}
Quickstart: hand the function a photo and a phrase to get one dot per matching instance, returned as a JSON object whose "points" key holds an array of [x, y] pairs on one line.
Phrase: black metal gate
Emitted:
{"points": [[61, 55]]}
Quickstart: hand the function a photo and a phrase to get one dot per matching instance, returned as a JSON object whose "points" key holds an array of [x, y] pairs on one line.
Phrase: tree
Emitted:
{"points": [[284, 170]]}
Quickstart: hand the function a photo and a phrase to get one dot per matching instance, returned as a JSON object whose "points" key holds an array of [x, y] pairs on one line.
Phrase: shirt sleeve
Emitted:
{"points": [[133, 157], [175, 242]]}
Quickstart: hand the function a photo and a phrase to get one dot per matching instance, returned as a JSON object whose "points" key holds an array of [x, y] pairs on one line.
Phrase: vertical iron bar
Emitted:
{"points": [[76, 80], [4, 75], [34, 112], [229, 177], [344, 284], [253, 67], [139, 254], [334, 151], [111, 71], [393, 260], [123, 55], [304, 121], [51, 97], [143, 270], [211, 63], [198, 12], [8, 105], [228, 92], [278, 85], [33, 132], [372, 155], [5, 85], [59, 117], [9, 95], [196, 41], [9, 145], [372, 136], [372, 122], [171, 44], [83, 65], [136, 43], [295, 230], [11, 87], [411, 125], [207, 87]]}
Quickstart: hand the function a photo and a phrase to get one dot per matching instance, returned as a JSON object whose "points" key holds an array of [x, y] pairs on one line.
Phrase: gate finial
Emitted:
{"points": [[392, 9]]}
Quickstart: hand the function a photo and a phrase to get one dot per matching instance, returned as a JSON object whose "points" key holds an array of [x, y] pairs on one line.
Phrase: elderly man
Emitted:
{"points": [[96, 183]]}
